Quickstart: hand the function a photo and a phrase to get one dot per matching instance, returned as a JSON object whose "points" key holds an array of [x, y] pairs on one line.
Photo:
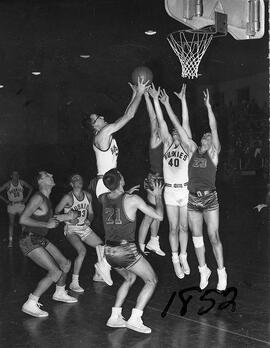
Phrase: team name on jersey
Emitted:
{"points": [[177, 154], [199, 162], [81, 206]]}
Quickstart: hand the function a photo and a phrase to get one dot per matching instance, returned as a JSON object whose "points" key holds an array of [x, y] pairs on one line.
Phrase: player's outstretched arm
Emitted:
{"points": [[130, 111], [212, 121], [187, 142], [164, 132], [2, 189], [90, 213], [26, 220], [185, 116], [155, 133]]}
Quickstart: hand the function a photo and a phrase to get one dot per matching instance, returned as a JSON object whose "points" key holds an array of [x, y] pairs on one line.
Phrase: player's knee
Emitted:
{"points": [[82, 252], [153, 280], [183, 228], [65, 267], [214, 239], [198, 242], [131, 279], [174, 229], [55, 274]]}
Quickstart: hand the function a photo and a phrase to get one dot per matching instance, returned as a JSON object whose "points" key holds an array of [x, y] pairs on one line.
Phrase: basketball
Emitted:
{"points": [[142, 72]]}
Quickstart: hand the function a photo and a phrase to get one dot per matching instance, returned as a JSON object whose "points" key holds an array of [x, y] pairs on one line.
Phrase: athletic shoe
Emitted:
{"points": [[33, 308], [153, 245], [76, 287], [136, 324], [184, 263], [62, 296], [116, 321], [205, 274], [222, 279], [97, 278], [178, 269], [104, 269]]}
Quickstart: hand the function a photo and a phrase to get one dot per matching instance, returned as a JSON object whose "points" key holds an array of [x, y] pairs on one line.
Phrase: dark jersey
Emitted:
{"points": [[117, 225], [156, 159], [44, 218], [201, 172]]}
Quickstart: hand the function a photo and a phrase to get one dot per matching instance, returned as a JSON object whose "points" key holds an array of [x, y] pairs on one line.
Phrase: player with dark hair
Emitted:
{"points": [[203, 201], [155, 174], [78, 231], [119, 219], [16, 200], [36, 220]]}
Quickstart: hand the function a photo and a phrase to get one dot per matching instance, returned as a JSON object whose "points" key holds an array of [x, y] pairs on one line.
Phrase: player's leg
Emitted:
{"points": [[90, 238], [183, 238], [195, 220], [144, 270], [43, 259], [116, 319], [153, 243], [64, 264], [211, 218], [143, 230], [173, 218], [75, 241], [11, 218]]}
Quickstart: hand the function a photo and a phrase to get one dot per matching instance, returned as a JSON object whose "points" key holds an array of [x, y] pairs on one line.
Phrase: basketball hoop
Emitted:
{"points": [[190, 46]]}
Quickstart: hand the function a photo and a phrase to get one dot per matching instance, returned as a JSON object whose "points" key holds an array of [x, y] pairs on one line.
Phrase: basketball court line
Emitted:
{"points": [[199, 322]]}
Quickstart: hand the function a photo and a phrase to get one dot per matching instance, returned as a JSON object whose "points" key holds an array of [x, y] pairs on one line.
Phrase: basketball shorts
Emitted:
{"points": [[122, 254], [205, 203], [15, 208], [82, 231], [32, 241], [176, 196]]}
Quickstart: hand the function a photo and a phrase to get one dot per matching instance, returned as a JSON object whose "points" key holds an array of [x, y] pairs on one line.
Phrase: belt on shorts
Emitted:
{"points": [[177, 185], [100, 176], [118, 243], [201, 193]]}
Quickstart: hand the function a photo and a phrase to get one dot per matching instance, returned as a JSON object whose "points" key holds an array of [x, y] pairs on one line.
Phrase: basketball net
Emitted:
{"points": [[190, 46]]}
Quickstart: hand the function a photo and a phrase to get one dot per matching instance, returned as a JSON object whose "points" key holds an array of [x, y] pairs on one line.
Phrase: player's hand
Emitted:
{"points": [[182, 94], [163, 97], [52, 223], [206, 97], [142, 85], [259, 207], [133, 87], [133, 189], [157, 188], [153, 91]]}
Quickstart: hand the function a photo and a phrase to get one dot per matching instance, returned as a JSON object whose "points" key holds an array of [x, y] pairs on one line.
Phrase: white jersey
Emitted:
{"points": [[15, 192], [107, 159], [175, 165], [81, 206]]}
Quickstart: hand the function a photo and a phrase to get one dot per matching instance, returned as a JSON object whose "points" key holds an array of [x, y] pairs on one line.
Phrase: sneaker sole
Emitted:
{"points": [[35, 315], [155, 251], [61, 300], [135, 328], [100, 280], [115, 325], [78, 291], [180, 276], [110, 283]]}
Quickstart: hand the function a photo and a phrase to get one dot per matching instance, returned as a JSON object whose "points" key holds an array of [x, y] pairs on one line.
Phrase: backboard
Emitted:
{"points": [[245, 18]]}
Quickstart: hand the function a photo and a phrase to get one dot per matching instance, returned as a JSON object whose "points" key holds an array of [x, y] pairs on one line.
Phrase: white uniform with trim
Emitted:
{"points": [[80, 228], [175, 172], [15, 196], [106, 160]]}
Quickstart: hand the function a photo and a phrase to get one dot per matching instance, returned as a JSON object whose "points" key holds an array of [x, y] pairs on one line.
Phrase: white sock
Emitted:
{"points": [[75, 278], [60, 288], [203, 268], [154, 238], [142, 246], [221, 270], [33, 298], [175, 257], [116, 311], [184, 256], [136, 313]]}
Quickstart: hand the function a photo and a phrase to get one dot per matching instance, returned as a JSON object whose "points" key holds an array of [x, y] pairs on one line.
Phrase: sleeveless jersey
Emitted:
{"points": [[15, 192], [44, 218], [155, 158], [81, 206], [117, 225], [107, 159], [175, 165], [202, 172]]}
